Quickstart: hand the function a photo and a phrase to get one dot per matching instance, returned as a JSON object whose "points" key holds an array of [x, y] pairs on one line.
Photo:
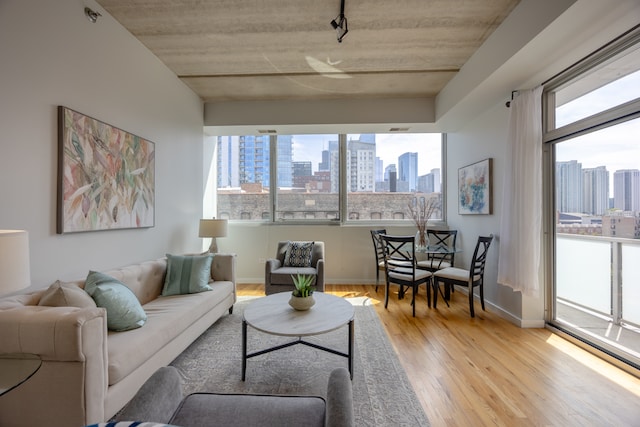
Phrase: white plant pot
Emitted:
{"points": [[302, 303]]}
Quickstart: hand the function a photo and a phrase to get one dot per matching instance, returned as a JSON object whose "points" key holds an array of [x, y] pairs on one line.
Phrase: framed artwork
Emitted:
{"points": [[474, 188], [106, 176]]}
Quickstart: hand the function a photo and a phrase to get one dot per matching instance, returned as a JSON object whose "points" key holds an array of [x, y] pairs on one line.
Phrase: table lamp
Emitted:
{"points": [[213, 228], [14, 261]]}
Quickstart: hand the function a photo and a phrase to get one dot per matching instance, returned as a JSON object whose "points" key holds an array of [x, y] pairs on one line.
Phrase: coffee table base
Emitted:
{"points": [[245, 356]]}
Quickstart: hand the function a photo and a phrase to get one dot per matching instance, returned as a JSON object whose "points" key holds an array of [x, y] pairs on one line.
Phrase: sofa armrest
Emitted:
{"points": [[53, 333], [71, 384], [271, 265], [320, 278], [339, 399], [223, 268]]}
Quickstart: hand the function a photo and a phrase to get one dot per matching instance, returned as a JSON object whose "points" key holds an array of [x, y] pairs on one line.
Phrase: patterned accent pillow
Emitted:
{"points": [[187, 274], [298, 254]]}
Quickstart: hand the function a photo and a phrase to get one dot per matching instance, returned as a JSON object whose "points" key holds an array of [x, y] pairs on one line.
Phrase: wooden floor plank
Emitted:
{"points": [[488, 372]]}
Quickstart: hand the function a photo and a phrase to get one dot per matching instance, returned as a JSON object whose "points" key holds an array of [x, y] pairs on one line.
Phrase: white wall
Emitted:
{"points": [[349, 256], [52, 55], [484, 137]]}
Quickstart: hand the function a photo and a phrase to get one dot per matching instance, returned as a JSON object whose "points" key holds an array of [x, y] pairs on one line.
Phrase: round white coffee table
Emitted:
{"points": [[273, 315]]}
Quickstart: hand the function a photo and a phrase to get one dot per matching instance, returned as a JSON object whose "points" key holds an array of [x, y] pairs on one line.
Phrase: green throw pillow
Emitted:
{"points": [[124, 311], [187, 274]]}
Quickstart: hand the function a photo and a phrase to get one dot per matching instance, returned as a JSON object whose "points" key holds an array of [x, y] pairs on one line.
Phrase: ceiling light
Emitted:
{"points": [[340, 23], [91, 15]]}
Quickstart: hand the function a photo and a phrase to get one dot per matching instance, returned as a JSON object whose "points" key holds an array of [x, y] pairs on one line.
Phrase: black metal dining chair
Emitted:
{"points": [[378, 247], [474, 277], [440, 238], [400, 268]]}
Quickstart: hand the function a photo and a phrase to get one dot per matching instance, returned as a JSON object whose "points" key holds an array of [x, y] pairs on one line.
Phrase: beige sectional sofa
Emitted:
{"points": [[89, 373]]}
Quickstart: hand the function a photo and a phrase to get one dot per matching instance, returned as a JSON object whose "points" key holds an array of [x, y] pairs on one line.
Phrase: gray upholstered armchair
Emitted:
{"points": [[278, 271]]}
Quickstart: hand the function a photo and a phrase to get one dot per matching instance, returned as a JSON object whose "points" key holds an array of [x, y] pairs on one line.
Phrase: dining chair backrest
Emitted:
{"points": [[445, 238], [401, 269], [378, 245], [476, 272], [399, 251], [442, 237]]}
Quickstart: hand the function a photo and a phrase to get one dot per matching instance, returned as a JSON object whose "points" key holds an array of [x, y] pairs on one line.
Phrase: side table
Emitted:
{"points": [[16, 369]]}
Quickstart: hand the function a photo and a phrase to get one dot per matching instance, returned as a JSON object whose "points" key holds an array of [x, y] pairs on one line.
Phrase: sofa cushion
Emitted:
{"points": [[167, 317], [124, 311], [187, 274], [61, 295], [298, 254]]}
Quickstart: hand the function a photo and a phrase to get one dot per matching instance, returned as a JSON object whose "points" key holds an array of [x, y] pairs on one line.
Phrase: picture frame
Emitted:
{"points": [[475, 191], [106, 176]]}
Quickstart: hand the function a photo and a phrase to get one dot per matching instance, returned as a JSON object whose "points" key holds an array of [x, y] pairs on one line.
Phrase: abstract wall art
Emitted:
{"points": [[474, 188], [106, 176]]}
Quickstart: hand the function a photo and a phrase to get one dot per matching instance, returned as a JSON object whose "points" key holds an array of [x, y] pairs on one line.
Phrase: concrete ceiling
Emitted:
{"points": [[259, 50]]}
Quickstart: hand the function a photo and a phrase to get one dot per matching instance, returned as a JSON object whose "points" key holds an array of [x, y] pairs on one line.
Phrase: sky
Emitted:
{"points": [[616, 147], [388, 147]]}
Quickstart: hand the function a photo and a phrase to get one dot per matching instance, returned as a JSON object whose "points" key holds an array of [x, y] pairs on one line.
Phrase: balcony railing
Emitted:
{"points": [[600, 274]]}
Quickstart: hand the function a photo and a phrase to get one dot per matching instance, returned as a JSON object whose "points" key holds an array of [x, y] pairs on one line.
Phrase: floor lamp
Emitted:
{"points": [[14, 261], [213, 228]]}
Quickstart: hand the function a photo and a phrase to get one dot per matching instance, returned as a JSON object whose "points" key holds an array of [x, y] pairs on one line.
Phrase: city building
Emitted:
{"points": [[569, 186], [595, 190], [408, 170], [626, 190]]}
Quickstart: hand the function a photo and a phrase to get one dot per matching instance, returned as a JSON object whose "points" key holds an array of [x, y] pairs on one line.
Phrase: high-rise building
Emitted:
{"points": [[302, 174], [285, 160], [429, 183], [388, 169], [595, 190], [569, 186], [408, 170], [253, 159], [228, 173], [626, 190], [361, 155], [379, 172], [245, 160]]}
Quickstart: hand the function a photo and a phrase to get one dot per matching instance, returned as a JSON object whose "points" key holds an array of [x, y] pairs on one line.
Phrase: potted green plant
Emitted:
{"points": [[302, 295]]}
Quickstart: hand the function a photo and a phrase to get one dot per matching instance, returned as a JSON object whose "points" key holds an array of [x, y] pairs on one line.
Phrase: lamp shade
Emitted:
{"points": [[14, 261], [213, 228]]}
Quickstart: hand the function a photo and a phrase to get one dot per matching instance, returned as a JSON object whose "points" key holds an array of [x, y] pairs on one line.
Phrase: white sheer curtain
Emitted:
{"points": [[519, 254]]}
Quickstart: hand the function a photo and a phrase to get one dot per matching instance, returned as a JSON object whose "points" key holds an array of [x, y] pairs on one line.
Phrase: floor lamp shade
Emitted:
{"points": [[213, 228], [14, 261]]}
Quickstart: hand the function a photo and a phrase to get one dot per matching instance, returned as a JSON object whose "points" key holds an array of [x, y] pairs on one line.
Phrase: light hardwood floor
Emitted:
{"points": [[488, 372]]}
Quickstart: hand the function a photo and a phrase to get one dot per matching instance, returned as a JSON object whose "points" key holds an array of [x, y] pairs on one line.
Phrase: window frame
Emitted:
{"points": [[343, 208], [606, 118]]}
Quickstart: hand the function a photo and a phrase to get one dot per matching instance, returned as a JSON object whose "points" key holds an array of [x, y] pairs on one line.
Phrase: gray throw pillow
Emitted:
{"points": [[61, 295], [298, 254], [124, 311], [187, 274]]}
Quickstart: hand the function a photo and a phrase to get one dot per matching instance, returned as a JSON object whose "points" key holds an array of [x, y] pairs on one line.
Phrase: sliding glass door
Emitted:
{"points": [[593, 124]]}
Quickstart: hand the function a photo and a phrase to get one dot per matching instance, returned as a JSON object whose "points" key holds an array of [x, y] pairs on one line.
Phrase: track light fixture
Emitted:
{"points": [[91, 15], [340, 23]]}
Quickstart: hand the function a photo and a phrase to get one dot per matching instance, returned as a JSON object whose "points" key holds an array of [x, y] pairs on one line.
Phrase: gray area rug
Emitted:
{"points": [[382, 393]]}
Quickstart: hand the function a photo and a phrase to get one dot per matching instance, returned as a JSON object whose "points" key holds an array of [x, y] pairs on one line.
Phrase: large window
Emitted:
{"points": [[327, 178], [593, 123]]}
